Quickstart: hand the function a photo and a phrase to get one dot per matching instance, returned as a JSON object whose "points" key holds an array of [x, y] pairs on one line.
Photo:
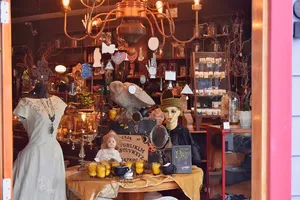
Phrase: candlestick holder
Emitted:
{"points": [[85, 139]]}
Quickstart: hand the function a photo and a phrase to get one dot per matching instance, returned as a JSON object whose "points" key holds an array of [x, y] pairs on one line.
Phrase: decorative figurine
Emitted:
{"points": [[118, 57], [108, 49], [130, 96], [97, 58], [86, 71], [108, 151], [141, 55], [152, 66]]}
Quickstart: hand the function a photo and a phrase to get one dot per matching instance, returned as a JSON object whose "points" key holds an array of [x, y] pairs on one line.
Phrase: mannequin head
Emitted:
{"points": [[171, 114], [171, 108], [40, 90]]}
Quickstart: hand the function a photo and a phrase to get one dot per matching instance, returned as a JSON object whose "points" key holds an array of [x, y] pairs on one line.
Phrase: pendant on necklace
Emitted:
{"points": [[51, 129]]}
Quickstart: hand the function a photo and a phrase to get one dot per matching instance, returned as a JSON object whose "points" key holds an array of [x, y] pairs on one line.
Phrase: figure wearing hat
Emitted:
{"points": [[171, 107]]}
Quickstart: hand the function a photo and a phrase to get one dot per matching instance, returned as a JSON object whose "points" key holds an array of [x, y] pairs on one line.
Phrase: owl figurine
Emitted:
{"points": [[130, 96]]}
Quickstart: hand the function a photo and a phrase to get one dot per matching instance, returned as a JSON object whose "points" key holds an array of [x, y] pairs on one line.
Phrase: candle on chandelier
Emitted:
{"points": [[65, 3], [159, 6], [197, 2], [83, 117]]}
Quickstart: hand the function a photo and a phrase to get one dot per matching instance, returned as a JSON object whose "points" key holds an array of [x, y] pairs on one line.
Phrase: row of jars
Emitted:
{"points": [[210, 92], [104, 169], [210, 74], [208, 111], [210, 64]]}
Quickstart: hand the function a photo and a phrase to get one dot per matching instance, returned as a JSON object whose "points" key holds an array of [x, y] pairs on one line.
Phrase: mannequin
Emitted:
{"points": [[40, 90], [179, 135], [39, 170]]}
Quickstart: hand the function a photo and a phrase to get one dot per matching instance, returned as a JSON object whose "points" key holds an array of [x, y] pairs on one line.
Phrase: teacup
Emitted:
{"points": [[168, 169], [120, 170]]}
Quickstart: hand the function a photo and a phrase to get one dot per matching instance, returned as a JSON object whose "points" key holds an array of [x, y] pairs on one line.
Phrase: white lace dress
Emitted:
{"points": [[39, 171]]}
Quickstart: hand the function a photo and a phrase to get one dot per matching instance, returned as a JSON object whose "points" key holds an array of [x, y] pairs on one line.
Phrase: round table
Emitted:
{"points": [[126, 193], [138, 193]]}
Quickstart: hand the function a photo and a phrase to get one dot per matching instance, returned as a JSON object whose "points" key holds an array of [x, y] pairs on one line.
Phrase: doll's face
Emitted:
{"points": [[171, 114], [111, 143]]}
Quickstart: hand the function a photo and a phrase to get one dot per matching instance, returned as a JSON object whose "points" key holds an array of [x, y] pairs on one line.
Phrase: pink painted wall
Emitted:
{"points": [[280, 102]]}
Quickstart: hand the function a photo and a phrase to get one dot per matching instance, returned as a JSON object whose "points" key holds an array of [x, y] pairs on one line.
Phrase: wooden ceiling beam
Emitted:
{"points": [[76, 12]]}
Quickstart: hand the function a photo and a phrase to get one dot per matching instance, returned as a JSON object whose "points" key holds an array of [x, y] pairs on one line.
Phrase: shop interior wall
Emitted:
{"points": [[52, 29]]}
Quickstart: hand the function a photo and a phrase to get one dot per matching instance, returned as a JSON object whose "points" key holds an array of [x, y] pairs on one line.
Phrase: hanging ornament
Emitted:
{"points": [[118, 57], [141, 55], [153, 43], [108, 49], [132, 57], [97, 58], [109, 66], [86, 71], [126, 58]]}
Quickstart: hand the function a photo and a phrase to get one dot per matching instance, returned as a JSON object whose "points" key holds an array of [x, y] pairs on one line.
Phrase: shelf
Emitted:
{"points": [[137, 77], [212, 36], [78, 47], [209, 116], [198, 132], [236, 129], [168, 59], [94, 78], [208, 96]]}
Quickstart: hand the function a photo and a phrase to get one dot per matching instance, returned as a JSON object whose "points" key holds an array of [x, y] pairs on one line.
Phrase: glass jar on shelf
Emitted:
{"points": [[230, 107]]}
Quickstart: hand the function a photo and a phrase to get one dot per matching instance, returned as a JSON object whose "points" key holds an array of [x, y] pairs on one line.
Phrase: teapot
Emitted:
{"points": [[152, 66]]}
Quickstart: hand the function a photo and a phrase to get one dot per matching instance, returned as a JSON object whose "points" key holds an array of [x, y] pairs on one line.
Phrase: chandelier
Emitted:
{"points": [[132, 14]]}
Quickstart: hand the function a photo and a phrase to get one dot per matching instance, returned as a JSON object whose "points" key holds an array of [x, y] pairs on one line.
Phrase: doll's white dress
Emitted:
{"points": [[39, 170], [107, 154]]}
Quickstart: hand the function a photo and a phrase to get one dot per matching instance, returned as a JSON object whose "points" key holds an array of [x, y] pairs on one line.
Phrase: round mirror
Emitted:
{"points": [[159, 137]]}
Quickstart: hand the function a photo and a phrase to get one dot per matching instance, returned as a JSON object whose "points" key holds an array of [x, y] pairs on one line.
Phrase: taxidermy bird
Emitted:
{"points": [[130, 96]]}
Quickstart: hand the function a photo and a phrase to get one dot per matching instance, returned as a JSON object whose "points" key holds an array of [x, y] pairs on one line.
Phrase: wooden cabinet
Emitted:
{"points": [[208, 77]]}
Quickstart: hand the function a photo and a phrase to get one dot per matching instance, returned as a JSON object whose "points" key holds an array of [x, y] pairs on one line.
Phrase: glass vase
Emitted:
{"points": [[230, 107]]}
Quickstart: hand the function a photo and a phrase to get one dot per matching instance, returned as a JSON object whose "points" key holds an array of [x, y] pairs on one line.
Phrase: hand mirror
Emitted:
{"points": [[159, 137]]}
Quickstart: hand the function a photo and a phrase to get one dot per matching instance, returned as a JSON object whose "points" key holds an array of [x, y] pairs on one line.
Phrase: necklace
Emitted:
{"points": [[52, 118]]}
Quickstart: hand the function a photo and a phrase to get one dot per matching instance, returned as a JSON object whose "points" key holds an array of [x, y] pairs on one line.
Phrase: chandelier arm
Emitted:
{"points": [[101, 14], [158, 27], [185, 41], [93, 5], [195, 32], [66, 32], [104, 23], [163, 29], [171, 18], [151, 26]]}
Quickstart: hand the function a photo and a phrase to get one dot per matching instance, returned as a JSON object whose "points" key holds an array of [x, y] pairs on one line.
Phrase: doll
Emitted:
{"points": [[109, 148]]}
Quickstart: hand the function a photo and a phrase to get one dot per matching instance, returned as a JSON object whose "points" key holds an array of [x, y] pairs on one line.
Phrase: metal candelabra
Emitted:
{"points": [[83, 140]]}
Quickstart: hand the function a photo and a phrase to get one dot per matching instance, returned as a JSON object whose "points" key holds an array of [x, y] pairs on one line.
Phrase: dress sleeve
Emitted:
{"points": [[99, 154], [22, 110], [61, 105], [117, 156]]}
